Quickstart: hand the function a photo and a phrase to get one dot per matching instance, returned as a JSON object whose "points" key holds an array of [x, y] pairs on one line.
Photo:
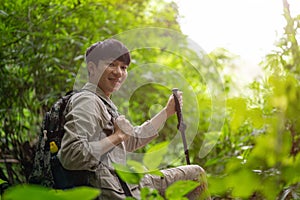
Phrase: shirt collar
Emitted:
{"points": [[96, 90]]}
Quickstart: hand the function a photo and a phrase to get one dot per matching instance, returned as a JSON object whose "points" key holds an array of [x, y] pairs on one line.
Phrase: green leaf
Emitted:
{"points": [[127, 174], [243, 190], [180, 188], [156, 173], [130, 198], [85, 193], [2, 181], [238, 108], [136, 166], [30, 192], [34, 192], [255, 116], [217, 185], [150, 194], [155, 154]]}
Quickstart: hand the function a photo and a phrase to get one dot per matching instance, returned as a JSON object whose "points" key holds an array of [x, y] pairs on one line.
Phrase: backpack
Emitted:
{"points": [[47, 169]]}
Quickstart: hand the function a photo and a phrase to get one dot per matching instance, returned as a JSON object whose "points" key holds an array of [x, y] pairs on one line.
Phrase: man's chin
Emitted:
{"points": [[115, 89]]}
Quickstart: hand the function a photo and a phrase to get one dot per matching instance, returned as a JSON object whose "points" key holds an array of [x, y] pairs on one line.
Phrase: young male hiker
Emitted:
{"points": [[96, 136]]}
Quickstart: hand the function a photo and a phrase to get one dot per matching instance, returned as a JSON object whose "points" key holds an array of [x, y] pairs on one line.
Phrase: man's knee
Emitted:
{"points": [[196, 173], [193, 171]]}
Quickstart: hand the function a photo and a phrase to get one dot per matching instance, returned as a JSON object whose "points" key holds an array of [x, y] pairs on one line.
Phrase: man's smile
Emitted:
{"points": [[115, 80]]}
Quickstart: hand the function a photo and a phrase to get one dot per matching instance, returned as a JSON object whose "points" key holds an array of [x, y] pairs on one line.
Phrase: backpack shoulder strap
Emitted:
{"points": [[114, 114]]}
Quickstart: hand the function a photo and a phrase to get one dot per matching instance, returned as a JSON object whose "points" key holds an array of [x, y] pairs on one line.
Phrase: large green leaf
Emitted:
{"points": [[85, 193], [180, 188], [154, 156], [34, 192], [30, 192], [127, 174]]}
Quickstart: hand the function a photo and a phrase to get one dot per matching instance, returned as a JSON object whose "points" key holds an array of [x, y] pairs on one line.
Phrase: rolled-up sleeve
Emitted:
{"points": [[146, 132], [143, 134]]}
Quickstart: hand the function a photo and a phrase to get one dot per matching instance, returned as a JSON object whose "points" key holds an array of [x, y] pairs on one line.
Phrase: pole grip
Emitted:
{"points": [[177, 106]]}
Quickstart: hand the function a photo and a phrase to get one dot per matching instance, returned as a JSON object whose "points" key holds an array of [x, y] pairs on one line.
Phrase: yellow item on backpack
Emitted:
{"points": [[53, 147]]}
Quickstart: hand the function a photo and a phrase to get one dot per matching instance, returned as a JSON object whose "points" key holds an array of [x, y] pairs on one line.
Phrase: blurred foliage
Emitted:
{"points": [[255, 154], [42, 48], [34, 192], [134, 171]]}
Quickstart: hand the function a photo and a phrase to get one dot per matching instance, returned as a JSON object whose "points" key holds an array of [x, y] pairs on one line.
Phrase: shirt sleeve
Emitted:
{"points": [[146, 132], [81, 147]]}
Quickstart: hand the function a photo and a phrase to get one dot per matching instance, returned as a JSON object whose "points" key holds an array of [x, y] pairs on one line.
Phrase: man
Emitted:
{"points": [[96, 136]]}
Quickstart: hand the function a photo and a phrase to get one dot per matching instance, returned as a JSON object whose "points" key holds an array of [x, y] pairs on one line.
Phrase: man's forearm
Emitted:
{"points": [[110, 142], [159, 119]]}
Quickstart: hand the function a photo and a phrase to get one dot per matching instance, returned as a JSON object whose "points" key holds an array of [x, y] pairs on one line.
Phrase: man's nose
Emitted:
{"points": [[117, 71]]}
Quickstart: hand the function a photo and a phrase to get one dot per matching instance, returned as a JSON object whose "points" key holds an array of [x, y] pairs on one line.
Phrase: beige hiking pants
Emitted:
{"points": [[171, 175]]}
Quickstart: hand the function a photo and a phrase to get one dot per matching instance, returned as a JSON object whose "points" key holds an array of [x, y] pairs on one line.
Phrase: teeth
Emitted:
{"points": [[114, 80]]}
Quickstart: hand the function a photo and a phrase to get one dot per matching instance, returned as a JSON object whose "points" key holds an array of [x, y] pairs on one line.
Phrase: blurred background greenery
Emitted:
{"points": [[256, 155]]}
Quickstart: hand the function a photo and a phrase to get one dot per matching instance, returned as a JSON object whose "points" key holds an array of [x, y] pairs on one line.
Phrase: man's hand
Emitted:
{"points": [[123, 128], [170, 107]]}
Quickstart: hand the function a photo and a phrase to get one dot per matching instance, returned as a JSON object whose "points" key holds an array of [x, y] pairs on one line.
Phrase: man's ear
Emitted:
{"points": [[91, 68]]}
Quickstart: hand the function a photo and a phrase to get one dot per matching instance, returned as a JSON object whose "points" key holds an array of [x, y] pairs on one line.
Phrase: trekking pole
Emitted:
{"points": [[181, 125]]}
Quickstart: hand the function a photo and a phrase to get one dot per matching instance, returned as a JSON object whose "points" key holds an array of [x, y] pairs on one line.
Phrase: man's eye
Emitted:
{"points": [[124, 67], [112, 64]]}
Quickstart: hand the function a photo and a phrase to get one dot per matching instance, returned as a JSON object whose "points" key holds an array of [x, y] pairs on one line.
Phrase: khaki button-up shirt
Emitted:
{"points": [[88, 122]]}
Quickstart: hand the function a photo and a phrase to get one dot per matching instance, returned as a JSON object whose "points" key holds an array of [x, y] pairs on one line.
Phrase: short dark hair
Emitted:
{"points": [[107, 49]]}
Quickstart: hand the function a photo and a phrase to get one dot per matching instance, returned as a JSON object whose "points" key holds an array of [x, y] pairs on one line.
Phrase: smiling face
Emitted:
{"points": [[107, 63], [112, 75]]}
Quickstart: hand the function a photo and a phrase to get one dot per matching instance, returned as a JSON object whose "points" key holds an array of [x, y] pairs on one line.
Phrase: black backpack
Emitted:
{"points": [[47, 169]]}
